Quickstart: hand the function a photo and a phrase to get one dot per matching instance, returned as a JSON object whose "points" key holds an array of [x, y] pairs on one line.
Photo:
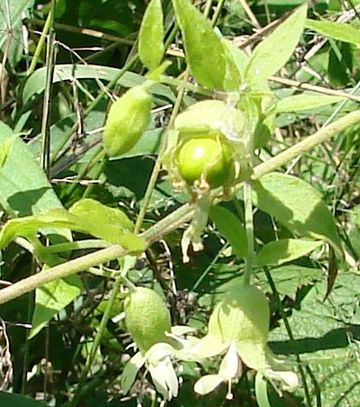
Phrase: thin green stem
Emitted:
{"points": [[290, 334], [100, 170], [157, 166], [307, 144], [50, 59], [98, 155], [186, 85], [207, 8], [40, 45], [99, 334], [217, 12], [249, 228]]}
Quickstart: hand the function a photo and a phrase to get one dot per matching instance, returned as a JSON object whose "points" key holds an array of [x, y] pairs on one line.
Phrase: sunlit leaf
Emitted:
{"points": [[284, 250], [338, 31], [297, 205], [210, 65], [274, 51]]}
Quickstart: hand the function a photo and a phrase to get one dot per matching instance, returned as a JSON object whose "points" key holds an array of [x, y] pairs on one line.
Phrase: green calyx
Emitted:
{"points": [[242, 315], [127, 121], [242, 318], [214, 116], [147, 318]]}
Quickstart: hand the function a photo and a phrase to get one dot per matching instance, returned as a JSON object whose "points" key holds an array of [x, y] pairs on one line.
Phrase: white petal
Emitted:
{"points": [[207, 383], [230, 364], [164, 378], [208, 347], [288, 379], [158, 352]]}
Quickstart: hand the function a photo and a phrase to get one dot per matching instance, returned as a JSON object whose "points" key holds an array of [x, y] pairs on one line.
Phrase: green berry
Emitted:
{"points": [[206, 158]]}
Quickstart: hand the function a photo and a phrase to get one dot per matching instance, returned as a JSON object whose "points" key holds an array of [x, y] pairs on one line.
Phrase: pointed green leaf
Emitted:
{"points": [[106, 223], [298, 206], [24, 187], [151, 36], [208, 61], [28, 226], [230, 226], [52, 298], [284, 250], [303, 102], [339, 31], [273, 52]]}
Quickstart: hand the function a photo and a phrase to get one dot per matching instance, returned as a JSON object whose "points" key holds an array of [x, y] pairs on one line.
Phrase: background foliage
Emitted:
{"points": [[87, 46]]}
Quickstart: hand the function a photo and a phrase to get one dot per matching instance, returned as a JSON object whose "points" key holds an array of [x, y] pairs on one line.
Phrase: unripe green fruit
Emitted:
{"points": [[242, 316], [127, 121], [146, 318], [206, 158]]}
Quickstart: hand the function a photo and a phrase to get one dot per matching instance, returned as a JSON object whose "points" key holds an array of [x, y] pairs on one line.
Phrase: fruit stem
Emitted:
{"points": [[154, 175], [92, 354], [249, 228]]}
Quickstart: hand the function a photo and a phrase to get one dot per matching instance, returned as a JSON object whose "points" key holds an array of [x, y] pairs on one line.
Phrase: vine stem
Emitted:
{"points": [[249, 228], [307, 144], [173, 220]]}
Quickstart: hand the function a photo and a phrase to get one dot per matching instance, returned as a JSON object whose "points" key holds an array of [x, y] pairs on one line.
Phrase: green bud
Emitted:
{"points": [[146, 318], [127, 121]]}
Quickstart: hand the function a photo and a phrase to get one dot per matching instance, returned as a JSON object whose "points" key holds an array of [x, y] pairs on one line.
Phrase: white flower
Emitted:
{"points": [[158, 361]]}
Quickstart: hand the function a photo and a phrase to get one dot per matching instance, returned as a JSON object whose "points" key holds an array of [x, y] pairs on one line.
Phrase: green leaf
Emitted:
{"points": [[339, 31], [28, 226], [35, 84], [273, 52], [326, 336], [285, 250], [151, 45], [231, 228], [24, 187], [107, 223], [290, 278], [298, 206], [11, 13], [52, 298], [18, 400], [298, 103], [206, 56], [239, 56], [130, 371]]}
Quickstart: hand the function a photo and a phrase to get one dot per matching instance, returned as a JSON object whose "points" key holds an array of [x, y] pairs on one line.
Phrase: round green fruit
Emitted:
{"points": [[146, 318], [208, 159]]}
